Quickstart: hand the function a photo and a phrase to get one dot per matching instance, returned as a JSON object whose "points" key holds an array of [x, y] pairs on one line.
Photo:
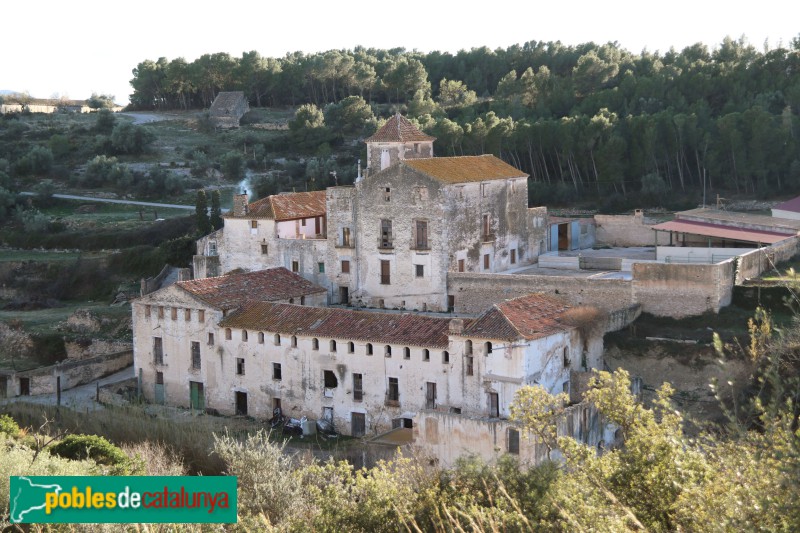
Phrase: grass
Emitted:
{"points": [[43, 255], [43, 321], [192, 436]]}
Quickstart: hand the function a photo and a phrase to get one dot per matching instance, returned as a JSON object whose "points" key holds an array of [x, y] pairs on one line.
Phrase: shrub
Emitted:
{"points": [[9, 426], [96, 448]]}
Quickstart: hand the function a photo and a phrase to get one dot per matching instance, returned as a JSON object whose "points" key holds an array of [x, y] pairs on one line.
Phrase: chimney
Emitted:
{"points": [[456, 326], [240, 205]]}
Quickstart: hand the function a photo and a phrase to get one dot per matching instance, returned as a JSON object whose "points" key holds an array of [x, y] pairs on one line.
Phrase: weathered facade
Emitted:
{"points": [[364, 371], [389, 240], [176, 327], [228, 109]]}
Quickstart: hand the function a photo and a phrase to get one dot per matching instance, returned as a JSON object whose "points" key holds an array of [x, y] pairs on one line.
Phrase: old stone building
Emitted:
{"points": [[176, 328], [228, 109], [389, 240], [366, 372]]}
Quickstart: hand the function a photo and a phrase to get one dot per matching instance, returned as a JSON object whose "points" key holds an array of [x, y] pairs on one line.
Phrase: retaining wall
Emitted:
{"points": [[624, 230]]}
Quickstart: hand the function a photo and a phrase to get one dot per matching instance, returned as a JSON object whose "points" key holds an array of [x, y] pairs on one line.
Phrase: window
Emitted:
{"points": [[484, 192], [240, 366], [386, 234], [358, 387], [461, 265], [329, 379], [470, 366], [187, 314], [291, 300], [369, 348], [244, 335], [277, 339], [346, 237], [358, 424], [421, 234], [302, 300], [387, 194], [416, 148], [426, 355], [201, 315], [254, 224], [303, 223], [451, 303], [486, 261], [513, 256], [565, 357], [294, 341], [276, 371], [468, 347], [211, 339], [295, 267], [264, 249], [351, 347], [486, 226], [227, 334], [212, 248], [494, 405], [406, 353], [487, 348], [158, 351], [393, 394], [445, 357], [315, 344], [321, 267], [332, 346], [430, 395], [387, 351], [159, 378], [345, 267], [260, 337], [419, 270], [195, 355], [386, 278], [174, 313], [147, 311], [160, 311], [513, 441]]}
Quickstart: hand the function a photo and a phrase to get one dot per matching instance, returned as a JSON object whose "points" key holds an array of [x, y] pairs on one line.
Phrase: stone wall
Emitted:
{"points": [[756, 262], [679, 290], [475, 292], [95, 347], [72, 373], [447, 436], [624, 230]]}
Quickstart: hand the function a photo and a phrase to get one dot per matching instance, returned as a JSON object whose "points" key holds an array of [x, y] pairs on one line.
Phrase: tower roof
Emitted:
{"points": [[399, 129]]}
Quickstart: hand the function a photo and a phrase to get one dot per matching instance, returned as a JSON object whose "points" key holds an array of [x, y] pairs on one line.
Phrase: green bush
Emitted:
{"points": [[8, 426], [96, 448]]}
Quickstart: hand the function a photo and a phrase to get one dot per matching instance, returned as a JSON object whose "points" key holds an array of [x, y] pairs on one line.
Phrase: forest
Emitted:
{"points": [[584, 121]]}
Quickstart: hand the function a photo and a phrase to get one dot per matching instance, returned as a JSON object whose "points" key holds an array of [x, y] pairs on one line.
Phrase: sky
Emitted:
{"points": [[75, 48]]}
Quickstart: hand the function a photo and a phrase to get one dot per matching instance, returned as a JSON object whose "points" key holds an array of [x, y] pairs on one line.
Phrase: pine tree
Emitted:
{"points": [[201, 212], [216, 210]]}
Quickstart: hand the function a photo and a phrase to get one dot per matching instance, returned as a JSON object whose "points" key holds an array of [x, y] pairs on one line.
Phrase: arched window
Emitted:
{"points": [[244, 335], [406, 353], [227, 334], [260, 337], [487, 348], [315, 344], [426, 355], [277, 339], [387, 351], [468, 347], [369, 348], [294, 341], [566, 360], [351, 347], [333, 346], [445, 357]]}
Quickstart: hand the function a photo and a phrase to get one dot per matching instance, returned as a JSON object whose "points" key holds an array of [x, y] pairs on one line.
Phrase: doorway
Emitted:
{"points": [[24, 386], [241, 403], [197, 398]]}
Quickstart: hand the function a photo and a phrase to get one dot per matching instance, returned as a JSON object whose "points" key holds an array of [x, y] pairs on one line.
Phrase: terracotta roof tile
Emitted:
{"points": [[528, 317], [344, 324], [465, 169], [235, 290], [399, 129], [288, 206]]}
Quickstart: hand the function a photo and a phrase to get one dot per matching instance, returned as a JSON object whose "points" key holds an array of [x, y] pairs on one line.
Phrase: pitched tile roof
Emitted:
{"points": [[235, 290], [465, 169], [399, 129], [343, 324], [528, 317], [288, 206], [226, 102], [789, 205]]}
